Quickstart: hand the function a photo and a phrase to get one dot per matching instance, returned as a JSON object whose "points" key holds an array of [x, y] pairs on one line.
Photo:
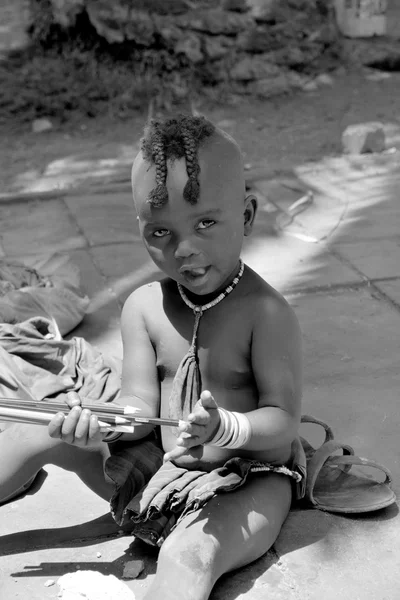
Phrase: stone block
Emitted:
{"points": [[118, 22], [273, 86], [255, 40], [190, 46], [268, 11], [216, 47], [363, 138], [215, 22], [65, 11], [140, 28], [250, 68], [235, 5]]}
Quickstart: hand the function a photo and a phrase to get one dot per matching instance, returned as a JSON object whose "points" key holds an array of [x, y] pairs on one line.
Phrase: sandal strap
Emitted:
{"points": [[318, 460], [360, 460], [328, 431]]}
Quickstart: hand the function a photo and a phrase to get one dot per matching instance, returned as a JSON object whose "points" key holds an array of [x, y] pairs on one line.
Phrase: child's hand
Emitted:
{"points": [[79, 427], [200, 427]]}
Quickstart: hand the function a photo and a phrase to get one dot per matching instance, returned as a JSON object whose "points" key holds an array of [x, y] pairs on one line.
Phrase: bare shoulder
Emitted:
{"points": [[267, 305], [144, 299]]}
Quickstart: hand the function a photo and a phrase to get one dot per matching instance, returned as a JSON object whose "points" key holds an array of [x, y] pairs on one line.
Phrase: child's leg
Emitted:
{"points": [[25, 449], [231, 531]]}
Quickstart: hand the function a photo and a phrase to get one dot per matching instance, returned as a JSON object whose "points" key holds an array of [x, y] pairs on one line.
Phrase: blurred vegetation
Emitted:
{"points": [[77, 71], [73, 70]]}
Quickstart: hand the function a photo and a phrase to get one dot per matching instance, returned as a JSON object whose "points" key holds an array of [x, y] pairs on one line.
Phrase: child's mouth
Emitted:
{"points": [[195, 276]]}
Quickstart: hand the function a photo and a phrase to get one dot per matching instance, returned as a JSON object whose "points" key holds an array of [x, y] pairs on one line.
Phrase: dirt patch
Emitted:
{"points": [[277, 133]]}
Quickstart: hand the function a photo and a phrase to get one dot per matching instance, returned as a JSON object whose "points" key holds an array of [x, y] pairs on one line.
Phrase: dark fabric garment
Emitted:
{"points": [[186, 387], [131, 466], [173, 492], [37, 363]]}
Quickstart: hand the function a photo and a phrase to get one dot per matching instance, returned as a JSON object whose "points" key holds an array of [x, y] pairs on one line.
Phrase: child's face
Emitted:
{"points": [[197, 245]]}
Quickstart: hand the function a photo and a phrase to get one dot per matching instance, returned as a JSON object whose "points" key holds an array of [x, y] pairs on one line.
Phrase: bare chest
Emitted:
{"points": [[223, 348]]}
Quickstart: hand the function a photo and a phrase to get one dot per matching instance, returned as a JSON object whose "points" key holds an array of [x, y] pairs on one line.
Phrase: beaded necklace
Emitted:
{"points": [[186, 387], [199, 310]]}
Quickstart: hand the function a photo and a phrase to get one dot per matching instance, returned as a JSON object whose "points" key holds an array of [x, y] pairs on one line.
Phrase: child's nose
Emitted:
{"points": [[184, 249]]}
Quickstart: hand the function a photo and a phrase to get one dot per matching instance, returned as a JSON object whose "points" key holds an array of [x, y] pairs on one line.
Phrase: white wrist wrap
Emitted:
{"points": [[234, 430]]}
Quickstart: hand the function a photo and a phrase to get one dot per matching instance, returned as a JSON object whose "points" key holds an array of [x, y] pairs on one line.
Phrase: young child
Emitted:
{"points": [[211, 344]]}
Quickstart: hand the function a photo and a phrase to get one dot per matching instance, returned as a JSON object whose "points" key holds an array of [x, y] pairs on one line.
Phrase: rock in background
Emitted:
{"points": [[245, 47]]}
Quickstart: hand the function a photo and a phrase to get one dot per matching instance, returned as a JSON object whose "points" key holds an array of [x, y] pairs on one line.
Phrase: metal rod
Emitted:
{"points": [[39, 421], [106, 417], [19, 407], [110, 408]]}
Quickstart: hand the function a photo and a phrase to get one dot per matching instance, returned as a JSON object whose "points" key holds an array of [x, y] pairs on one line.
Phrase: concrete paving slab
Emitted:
{"points": [[320, 217], [125, 266], [290, 264], [374, 258], [105, 218], [346, 557], [391, 289], [351, 374], [38, 227], [116, 260], [364, 189], [101, 324]]}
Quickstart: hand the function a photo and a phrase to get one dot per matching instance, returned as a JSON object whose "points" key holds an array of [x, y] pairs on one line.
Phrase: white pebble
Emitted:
{"points": [[91, 585]]}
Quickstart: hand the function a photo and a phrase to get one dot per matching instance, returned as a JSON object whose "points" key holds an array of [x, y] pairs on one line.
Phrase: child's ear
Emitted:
{"points": [[250, 210]]}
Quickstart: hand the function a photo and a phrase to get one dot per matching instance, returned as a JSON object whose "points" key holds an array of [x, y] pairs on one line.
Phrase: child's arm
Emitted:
{"points": [[140, 384], [276, 358], [140, 387]]}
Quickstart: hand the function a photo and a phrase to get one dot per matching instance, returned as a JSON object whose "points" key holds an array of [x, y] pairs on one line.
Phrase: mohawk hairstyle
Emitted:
{"points": [[173, 139]]}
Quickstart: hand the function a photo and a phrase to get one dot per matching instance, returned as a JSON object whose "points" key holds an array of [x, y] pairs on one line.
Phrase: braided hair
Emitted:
{"points": [[173, 139]]}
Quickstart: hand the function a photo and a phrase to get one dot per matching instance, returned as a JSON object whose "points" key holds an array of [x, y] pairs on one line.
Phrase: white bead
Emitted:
{"points": [[228, 290]]}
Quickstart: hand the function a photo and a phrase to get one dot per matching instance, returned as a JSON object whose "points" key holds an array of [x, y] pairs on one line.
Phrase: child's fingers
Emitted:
{"points": [[207, 400], [191, 430], [94, 428], [200, 417], [187, 440], [174, 454], [81, 432], [73, 399], [55, 426], [69, 424]]}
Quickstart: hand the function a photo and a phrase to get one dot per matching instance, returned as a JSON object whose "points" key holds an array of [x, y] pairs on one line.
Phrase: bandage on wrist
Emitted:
{"points": [[234, 430]]}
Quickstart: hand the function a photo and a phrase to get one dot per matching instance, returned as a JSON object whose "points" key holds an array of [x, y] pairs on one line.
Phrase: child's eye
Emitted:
{"points": [[160, 232], [205, 224]]}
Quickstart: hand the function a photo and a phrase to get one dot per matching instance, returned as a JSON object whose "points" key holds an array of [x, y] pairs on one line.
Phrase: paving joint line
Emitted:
{"points": [[88, 248], [370, 283], [334, 287]]}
